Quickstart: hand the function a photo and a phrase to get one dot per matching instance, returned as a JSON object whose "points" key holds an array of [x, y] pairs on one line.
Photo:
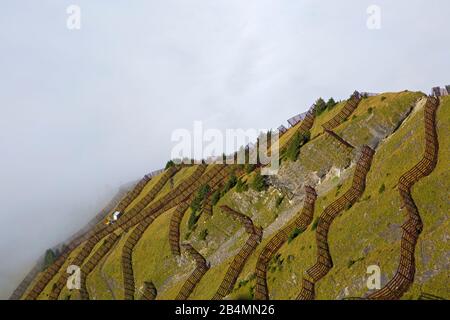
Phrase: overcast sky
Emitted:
{"points": [[85, 111]]}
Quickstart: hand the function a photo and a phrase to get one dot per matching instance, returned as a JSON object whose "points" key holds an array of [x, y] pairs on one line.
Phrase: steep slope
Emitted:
{"points": [[366, 231]]}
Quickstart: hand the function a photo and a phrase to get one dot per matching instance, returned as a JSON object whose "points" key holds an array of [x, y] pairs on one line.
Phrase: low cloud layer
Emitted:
{"points": [[83, 112]]}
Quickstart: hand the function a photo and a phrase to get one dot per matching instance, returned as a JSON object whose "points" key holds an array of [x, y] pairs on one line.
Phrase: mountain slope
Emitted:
{"points": [[366, 233]]}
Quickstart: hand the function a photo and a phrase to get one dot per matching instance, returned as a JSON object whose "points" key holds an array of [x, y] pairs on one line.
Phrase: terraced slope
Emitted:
{"points": [[286, 249]]}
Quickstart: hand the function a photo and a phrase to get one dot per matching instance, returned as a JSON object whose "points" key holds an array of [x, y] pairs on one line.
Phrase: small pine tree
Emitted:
{"points": [[241, 186], [215, 197], [258, 183], [196, 204], [203, 234], [50, 257], [249, 168], [320, 106], [306, 137], [315, 223], [294, 234], [230, 183], [169, 164], [193, 218], [278, 201], [293, 148], [269, 136], [331, 104]]}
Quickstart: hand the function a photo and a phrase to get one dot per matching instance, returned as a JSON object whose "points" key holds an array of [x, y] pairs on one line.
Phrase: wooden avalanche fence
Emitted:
{"points": [[99, 234], [213, 178], [241, 258], [306, 124], [174, 228], [145, 218], [339, 139], [413, 226], [45, 278], [324, 261], [208, 206], [149, 292], [168, 201], [127, 252], [150, 196], [78, 261], [180, 198], [25, 283], [343, 115], [428, 296], [128, 220], [125, 202], [93, 261], [301, 222], [52, 270], [92, 237], [201, 268]]}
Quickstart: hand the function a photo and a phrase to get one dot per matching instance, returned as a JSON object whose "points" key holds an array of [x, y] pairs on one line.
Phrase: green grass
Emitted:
{"points": [[144, 191], [367, 229], [177, 179], [152, 258], [431, 197], [365, 234], [112, 269], [385, 114], [324, 117], [45, 294]]}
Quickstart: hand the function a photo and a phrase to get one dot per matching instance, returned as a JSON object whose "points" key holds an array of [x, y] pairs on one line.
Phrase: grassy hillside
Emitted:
{"points": [[368, 233]]}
